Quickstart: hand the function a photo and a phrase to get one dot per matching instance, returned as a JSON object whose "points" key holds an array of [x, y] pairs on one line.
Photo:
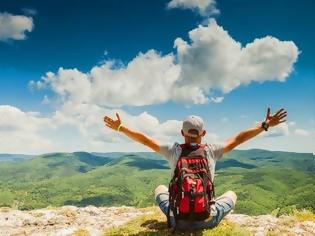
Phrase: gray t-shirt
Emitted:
{"points": [[173, 152]]}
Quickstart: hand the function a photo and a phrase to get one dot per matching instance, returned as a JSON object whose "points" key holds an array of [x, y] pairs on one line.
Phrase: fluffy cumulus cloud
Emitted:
{"points": [[302, 132], [217, 99], [280, 130], [214, 60], [204, 7], [211, 61], [76, 127], [286, 129], [21, 131], [88, 120], [14, 27], [148, 79]]}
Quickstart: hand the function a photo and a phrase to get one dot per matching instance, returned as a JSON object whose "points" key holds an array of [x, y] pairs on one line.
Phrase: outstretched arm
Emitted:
{"points": [[270, 121], [134, 135]]}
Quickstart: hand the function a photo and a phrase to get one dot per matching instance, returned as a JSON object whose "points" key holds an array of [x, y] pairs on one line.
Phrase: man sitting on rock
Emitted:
{"points": [[189, 201]]}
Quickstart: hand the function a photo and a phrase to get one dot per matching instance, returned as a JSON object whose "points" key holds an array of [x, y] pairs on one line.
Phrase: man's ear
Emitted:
{"points": [[203, 133], [182, 132]]}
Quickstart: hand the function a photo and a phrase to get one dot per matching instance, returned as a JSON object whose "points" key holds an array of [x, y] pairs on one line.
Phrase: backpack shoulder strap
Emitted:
{"points": [[187, 149]]}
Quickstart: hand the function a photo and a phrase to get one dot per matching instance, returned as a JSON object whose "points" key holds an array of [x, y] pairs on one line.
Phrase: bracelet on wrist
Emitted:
{"points": [[265, 125], [119, 127]]}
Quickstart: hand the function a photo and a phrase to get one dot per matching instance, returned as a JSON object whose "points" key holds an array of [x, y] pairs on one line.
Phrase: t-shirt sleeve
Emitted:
{"points": [[216, 150], [166, 151]]}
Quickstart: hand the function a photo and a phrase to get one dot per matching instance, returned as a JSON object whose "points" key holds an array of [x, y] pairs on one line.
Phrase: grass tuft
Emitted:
{"points": [[81, 232], [68, 212], [304, 215], [5, 209], [154, 224]]}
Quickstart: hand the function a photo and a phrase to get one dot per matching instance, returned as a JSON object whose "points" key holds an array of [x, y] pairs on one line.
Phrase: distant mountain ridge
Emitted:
{"points": [[117, 154], [14, 157], [264, 180]]}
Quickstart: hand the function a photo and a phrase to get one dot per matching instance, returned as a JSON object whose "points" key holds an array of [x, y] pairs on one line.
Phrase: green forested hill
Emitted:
{"points": [[263, 180], [14, 157]]}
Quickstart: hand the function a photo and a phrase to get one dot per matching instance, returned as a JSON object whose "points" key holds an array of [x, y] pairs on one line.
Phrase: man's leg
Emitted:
{"points": [[229, 194], [224, 204], [161, 198]]}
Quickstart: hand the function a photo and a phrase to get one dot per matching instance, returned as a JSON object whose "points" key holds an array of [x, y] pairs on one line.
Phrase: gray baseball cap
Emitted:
{"points": [[192, 124]]}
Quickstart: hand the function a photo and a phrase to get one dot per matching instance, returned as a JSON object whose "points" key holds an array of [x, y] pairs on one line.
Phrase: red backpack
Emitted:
{"points": [[191, 190]]}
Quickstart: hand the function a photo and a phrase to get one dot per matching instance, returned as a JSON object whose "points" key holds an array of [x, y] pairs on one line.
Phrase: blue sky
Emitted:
{"points": [[89, 34]]}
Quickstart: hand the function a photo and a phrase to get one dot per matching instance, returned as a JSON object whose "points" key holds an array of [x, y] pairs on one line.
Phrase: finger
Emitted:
{"points": [[278, 112], [109, 122], [105, 118], [282, 116], [117, 115], [108, 118], [281, 113], [109, 126], [281, 121], [268, 113]]}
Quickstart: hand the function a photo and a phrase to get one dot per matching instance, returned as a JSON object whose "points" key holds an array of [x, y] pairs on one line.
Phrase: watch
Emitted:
{"points": [[265, 125]]}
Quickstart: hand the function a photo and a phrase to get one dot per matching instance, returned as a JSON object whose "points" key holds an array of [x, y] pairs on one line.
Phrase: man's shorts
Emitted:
{"points": [[223, 205]]}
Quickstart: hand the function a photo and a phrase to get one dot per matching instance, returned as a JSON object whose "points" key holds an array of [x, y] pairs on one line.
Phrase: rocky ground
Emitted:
{"points": [[264, 224], [67, 220], [90, 220]]}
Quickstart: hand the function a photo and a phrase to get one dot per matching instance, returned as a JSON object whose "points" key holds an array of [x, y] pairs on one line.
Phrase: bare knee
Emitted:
{"points": [[160, 189], [232, 195]]}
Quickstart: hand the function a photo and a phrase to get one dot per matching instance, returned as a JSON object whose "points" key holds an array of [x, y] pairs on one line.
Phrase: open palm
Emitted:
{"points": [[277, 118], [111, 123]]}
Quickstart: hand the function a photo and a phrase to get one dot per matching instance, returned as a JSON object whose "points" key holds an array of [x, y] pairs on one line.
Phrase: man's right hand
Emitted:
{"points": [[136, 136], [113, 124]]}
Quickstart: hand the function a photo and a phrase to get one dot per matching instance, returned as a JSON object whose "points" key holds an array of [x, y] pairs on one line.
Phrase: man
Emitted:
{"points": [[193, 132]]}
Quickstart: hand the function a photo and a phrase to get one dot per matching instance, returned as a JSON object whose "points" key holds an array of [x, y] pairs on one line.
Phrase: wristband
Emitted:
{"points": [[119, 127], [265, 125]]}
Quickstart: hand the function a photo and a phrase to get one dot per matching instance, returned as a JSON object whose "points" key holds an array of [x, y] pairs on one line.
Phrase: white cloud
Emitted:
{"points": [[76, 127], [148, 79], [97, 137], [20, 132], [204, 7], [70, 84], [217, 99], [45, 100], [291, 123], [285, 129], [279, 130], [213, 60], [14, 26], [302, 132]]}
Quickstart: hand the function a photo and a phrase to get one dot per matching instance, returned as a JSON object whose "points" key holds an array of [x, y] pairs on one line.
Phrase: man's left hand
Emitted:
{"points": [[273, 120]]}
